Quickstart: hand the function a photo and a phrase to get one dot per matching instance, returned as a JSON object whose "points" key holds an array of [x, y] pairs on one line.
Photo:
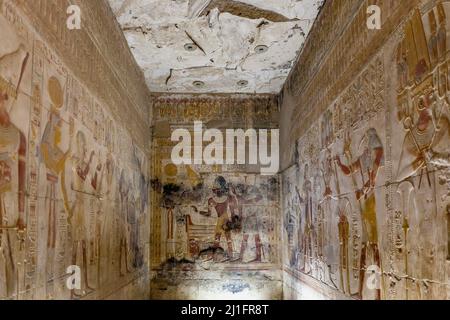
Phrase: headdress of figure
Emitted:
{"points": [[371, 141], [414, 52], [240, 189], [220, 186], [194, 178], [55, 92], [433, 23], [11, 78], [55, 121]]}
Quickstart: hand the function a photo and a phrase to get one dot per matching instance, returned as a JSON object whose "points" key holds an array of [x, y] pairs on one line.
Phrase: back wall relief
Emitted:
{"points": [[211, 218]]}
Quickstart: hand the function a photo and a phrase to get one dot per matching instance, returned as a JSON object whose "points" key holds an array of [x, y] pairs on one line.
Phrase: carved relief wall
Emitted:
{"points": [[213, 222], [365, 196], [73, 179]]}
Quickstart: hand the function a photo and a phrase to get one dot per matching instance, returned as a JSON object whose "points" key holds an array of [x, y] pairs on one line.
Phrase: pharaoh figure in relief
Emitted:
{"points": [[13, 152], [423, 100], [215, 220], [303, 198], [308, 234], [292, 218], [336, 214], [423, 105], [367, 165], [97, 214], [109, 199], [249, 218], [223, 206], [81, 165], [325, 193]]}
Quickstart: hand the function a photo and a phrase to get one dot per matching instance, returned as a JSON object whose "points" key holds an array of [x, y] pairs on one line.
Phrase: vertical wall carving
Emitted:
{"points": [[65, 189], [374, 166]]}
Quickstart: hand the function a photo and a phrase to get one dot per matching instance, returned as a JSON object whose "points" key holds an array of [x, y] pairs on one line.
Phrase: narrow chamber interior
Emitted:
{"points": [[224, 150]]}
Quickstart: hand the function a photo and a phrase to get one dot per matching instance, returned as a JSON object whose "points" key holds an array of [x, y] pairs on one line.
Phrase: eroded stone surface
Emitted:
{"points": [[158, 30]]}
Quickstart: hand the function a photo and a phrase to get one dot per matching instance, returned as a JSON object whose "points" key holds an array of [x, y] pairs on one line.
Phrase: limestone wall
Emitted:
{"points": [[194, 255], [73, 155], [366, 176]]}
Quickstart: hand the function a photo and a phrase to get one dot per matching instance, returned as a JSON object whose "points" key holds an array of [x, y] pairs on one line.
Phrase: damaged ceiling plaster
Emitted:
{"points": [[216, 46]]}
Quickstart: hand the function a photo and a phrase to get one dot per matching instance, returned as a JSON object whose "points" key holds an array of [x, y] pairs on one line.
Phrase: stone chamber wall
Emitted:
{"points": [[366, 186], [186, 261], [74, 169]]}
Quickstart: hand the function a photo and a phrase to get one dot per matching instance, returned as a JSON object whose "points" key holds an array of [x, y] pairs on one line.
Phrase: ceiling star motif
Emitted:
{"points": [[246, 46]]}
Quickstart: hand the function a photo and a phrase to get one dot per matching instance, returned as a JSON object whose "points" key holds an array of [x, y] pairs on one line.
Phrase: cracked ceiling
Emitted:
{"points": [[216, 46]]}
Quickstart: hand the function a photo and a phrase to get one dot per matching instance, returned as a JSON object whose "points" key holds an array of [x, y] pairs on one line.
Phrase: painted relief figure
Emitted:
{"points": [[308, 235], [109, 196], [141, 212], [367, 165], [249, 218], [224, 206], [343, 211], [123, 232], [133, 231], [296, 225], [54, 159], [97, 212], [327, 171], [141, 201], [81, 166], [12, 166], [423, 109], [291, 218], [324, 208]]}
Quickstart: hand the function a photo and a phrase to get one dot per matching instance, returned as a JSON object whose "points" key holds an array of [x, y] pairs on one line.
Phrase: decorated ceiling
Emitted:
{"points": [[216, 46]]}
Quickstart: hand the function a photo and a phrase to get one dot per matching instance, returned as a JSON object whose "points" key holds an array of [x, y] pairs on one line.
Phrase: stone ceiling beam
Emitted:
{"points": [[244, 10]]}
